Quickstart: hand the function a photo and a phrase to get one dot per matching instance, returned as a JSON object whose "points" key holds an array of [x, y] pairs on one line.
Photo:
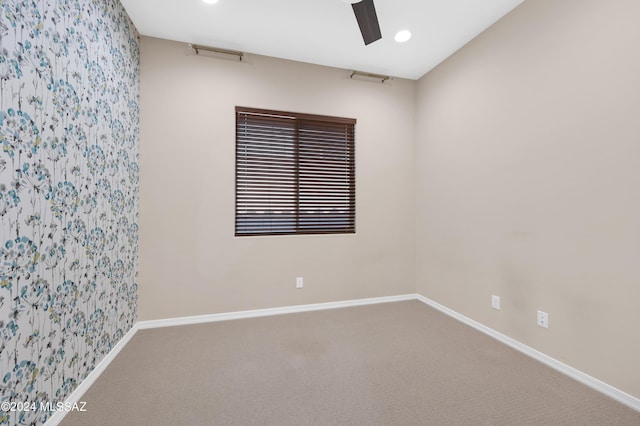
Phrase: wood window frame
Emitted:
{"points": [[295, 173]]}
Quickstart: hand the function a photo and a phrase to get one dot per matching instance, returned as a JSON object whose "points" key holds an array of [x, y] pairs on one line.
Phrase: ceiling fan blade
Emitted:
{"points": [[367, 19]]}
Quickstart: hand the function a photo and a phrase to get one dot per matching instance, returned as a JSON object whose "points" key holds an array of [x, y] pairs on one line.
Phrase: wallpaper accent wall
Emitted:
{"points": [[68, 194]]}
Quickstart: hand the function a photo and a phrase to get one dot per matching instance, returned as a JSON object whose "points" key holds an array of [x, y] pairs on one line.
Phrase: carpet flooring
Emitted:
{"points": [[400, 363]]}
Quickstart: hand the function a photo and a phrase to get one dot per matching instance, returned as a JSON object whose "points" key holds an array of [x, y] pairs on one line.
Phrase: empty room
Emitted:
{"points": [[329, 212]]}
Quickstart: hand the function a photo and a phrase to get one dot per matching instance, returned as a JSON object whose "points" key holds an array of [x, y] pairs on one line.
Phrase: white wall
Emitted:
{"points": [[528, 165], [190, 261]]}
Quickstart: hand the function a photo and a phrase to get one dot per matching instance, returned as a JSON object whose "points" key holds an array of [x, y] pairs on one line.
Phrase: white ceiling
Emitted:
{"points": [[324, 32]]}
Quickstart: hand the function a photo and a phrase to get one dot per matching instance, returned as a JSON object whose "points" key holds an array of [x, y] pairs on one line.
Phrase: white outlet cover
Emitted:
{"points": [[543, 319], [495, 302], [299, 282]]}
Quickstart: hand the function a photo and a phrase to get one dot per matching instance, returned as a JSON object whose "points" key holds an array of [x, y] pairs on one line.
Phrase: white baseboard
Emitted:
{"points": [[271, 311], [578, 375], [581, 377], [75, 396]]}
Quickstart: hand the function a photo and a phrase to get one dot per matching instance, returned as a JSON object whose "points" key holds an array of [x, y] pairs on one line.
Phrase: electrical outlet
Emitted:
{"points": [[543, 319], [299, 282], [495, 302]]}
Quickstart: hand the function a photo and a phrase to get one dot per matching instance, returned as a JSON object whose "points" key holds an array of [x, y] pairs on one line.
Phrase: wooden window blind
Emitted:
{"points": [[295, 173]]}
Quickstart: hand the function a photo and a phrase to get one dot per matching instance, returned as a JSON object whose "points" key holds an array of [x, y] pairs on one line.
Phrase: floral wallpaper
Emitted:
{"points": [[68, 194]]}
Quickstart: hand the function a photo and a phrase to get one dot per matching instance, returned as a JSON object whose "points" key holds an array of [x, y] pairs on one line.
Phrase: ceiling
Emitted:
{"points": [[324, 32]]}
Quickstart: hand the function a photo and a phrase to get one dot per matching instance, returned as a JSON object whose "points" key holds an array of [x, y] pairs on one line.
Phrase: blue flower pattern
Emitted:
{"points": [[69, 185]]}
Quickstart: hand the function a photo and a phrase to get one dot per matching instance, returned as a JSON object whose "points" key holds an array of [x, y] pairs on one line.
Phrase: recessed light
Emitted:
{"points": [[403, 36], [210, 1]]}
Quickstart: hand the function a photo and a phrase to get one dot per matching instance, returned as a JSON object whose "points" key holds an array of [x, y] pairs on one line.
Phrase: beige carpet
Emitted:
{"points": [[392, 364]]}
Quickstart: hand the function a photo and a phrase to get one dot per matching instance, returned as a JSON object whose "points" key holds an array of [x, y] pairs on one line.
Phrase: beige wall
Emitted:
{"points": [[190, 261], [528, 163], [528, 167]]}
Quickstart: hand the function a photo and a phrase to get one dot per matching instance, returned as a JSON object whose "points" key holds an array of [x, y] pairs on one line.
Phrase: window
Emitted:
{"points": [[295, 173]]}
